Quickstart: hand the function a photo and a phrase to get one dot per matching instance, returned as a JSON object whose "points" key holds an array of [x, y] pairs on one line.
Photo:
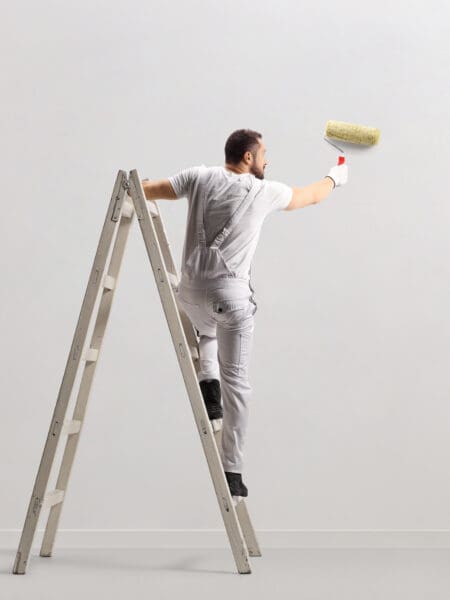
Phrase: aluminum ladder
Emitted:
{"points": [[127, 199]]}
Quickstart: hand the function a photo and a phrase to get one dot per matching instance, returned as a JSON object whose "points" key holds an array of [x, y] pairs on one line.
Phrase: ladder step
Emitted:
{"points": [[174, 280], [52, 498], [127, 209], [109, 282], [216, 424], [91, 355], [152, 208], [70, 427]]}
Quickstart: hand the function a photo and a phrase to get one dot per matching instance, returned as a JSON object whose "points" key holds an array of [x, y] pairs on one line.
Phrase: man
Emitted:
{"points": [[226, 209]]}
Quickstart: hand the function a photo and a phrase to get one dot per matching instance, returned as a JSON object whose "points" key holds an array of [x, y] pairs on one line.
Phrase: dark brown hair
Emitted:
{"points": [[240, 142]]}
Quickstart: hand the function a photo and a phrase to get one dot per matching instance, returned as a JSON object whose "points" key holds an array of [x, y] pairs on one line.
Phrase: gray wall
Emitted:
{"points": [[350, 416]]}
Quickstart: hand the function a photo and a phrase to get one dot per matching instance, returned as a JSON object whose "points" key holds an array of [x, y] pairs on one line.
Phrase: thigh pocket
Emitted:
{"points": [[226, 311]]}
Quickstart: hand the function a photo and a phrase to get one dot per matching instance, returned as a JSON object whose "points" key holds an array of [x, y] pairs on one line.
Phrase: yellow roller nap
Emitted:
{"points": [[349, 132]]}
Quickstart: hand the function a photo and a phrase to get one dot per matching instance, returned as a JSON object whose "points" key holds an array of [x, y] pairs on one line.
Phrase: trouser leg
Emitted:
{"points": [[209, 365], [234, 351], [225, 345], [192, 303]]}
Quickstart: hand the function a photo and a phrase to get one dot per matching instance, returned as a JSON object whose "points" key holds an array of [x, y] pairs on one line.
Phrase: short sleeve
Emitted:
{"points": [[183, 181], [278, 195]]}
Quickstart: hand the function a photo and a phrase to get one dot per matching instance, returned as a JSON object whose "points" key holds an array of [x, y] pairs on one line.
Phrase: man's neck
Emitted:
{"points": [[237, 170]]}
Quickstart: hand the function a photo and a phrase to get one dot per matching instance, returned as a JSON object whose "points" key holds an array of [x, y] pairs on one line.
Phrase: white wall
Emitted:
{"points": [[349, 421]]}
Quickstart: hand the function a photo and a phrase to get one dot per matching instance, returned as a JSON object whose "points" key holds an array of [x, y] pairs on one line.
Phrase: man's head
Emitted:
{"points": [[245, 152]]}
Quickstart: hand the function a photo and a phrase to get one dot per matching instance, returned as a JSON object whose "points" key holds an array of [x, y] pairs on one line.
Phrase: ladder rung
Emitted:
{"points": [[109, 282], [70, 427], [152, 208], [216, 424], [127, 209], [52, 498], [173, 279], [91, 355]]}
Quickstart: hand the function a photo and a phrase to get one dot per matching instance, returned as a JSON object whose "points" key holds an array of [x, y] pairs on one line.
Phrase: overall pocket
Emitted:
{"points": [[231, 311]]}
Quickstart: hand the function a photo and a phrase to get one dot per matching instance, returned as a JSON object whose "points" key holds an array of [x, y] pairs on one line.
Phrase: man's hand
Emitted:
{"points": [[143, 185]]}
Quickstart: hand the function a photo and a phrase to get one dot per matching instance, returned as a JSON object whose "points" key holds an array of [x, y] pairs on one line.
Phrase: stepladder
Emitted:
{"points": [[127, 199]]}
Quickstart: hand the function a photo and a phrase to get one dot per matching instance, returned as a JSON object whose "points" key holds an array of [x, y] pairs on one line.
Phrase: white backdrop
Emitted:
{"points": [[350, 416]]}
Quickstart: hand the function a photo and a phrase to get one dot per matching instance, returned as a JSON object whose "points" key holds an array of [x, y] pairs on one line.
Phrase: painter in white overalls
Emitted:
{"points": [[215, 289]]}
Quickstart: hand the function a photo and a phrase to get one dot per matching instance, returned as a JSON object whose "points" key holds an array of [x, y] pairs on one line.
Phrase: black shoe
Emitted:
{"points": [[237, 488], [211, 395]]}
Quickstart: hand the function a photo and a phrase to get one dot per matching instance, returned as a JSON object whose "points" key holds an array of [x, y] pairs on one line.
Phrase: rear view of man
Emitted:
{"points": [[226, 209]]}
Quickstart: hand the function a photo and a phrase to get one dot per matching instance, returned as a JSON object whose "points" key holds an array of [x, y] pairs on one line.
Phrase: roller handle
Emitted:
{"points": [[341, 160]]}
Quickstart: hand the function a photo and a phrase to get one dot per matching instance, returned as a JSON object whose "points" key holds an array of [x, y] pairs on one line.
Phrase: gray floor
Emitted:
{"points": [[313, 574]]}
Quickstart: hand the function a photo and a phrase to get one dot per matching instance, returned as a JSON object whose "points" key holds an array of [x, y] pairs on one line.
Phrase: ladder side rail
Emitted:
{"points": [[241, 508], [169, 303], [171, 269], [90, 366], [73, 360]]}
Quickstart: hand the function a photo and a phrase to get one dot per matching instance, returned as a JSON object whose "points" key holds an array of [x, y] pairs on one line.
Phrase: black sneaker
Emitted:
{"points": [[211, 394], [237, 488]]}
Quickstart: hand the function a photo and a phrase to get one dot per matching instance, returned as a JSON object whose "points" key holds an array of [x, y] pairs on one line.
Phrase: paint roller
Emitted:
{"points": [[349, 132]]}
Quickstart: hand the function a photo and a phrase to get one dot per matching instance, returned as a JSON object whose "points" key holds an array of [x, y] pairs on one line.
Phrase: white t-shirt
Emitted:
{"points": [[221, 191]]}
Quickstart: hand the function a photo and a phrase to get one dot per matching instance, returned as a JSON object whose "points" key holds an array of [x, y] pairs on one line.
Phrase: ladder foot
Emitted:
{"points": [[245, 572], [19, 565]]}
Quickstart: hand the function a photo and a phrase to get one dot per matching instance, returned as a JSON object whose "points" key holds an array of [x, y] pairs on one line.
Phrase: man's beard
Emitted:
{"points": [[259, 174]]}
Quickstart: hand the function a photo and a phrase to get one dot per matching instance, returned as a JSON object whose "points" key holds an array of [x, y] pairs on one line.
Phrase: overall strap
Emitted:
{"points": [[229, 225], [200, 230]]}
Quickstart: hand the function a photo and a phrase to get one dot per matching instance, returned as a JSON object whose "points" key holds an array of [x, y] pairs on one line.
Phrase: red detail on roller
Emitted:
{"points": [[341, 160]]}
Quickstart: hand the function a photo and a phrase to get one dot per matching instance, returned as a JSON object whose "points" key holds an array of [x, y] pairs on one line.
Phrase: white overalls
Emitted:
{"points": [[221, 309]]}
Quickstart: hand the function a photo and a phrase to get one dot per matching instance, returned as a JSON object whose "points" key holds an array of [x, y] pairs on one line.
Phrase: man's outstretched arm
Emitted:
{"points": [[158, 190], [310, 194]]}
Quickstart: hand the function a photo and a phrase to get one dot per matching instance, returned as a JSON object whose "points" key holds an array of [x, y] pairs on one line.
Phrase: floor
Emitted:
{"points": [[281, 574]]}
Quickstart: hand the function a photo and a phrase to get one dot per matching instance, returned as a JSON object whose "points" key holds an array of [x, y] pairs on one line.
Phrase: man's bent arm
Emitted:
{"points": [[158, 190]]}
